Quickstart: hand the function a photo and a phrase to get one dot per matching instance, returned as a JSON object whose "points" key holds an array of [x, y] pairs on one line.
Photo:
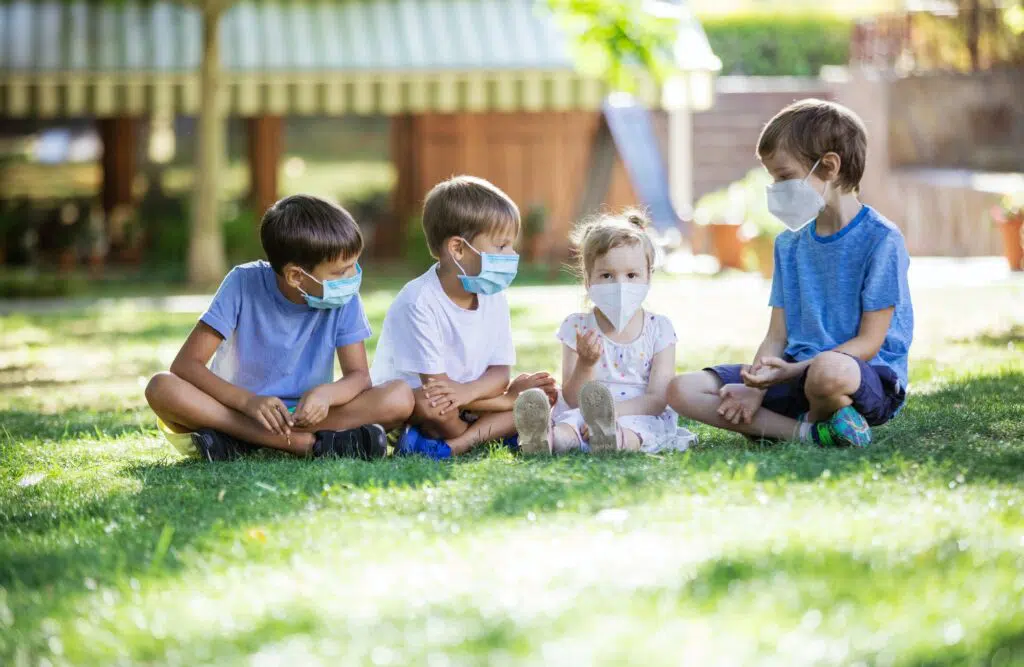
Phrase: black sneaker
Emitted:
{"points": [[217, 446], [366, 442]]}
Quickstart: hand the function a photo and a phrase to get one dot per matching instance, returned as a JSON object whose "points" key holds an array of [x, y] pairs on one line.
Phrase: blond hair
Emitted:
{"points": [[809, 128], [466, 206], [594, 237]]}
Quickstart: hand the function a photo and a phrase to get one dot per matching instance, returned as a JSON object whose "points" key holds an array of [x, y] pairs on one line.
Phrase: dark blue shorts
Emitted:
{"points": [[879, 397]]}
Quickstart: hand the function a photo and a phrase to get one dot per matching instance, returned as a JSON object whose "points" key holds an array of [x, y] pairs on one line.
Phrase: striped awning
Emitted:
{"points": [[60, 58]]}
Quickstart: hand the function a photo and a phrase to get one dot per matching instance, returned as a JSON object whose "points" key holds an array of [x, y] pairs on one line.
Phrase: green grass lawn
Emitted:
{"points": [[115, 550]]}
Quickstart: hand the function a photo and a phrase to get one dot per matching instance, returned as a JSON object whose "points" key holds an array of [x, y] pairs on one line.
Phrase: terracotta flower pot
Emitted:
{"points": [[1013, 248], [727, 245], [764, 254]]}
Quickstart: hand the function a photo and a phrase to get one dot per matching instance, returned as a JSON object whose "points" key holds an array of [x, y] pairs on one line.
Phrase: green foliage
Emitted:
{"points": [[610, 37], [758, 44], [30, 284], [743, 203], [416, 253], [242, 235]]}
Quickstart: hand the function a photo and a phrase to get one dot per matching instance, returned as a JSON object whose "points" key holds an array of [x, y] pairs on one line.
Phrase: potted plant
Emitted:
{"points": [[1008, 215], [760, 227], [535, 224], [721, 212]]}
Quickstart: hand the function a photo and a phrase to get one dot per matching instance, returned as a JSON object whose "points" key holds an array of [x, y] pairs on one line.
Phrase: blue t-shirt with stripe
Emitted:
{"points": [[825, 284]]}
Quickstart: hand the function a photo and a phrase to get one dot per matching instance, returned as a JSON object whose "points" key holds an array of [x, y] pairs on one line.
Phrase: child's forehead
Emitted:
{"points": [[781, 159], [629, 255]]}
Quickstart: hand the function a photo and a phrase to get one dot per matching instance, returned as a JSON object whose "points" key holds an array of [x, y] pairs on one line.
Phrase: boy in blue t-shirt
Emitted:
{"points": [[834, 361], [273, 330]]}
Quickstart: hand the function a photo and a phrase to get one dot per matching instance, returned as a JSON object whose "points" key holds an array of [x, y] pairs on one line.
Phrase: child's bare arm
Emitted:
{"points": [[874, 327], [578, 365], [449, 395], [190, 365], [507, 400], [652, 402], [355, 379]]}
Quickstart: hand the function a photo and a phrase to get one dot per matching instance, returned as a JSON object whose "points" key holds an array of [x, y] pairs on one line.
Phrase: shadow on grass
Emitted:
{"points": [[118, 534]]}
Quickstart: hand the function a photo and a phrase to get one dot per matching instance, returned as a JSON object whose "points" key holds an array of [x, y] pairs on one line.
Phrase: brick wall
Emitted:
{"points": [[725, 136]]}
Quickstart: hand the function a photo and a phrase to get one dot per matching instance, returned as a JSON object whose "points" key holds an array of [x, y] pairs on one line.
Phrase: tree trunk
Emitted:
{"points": [[206, 263]]}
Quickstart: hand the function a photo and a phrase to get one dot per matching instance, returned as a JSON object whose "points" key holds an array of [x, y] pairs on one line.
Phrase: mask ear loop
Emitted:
{"points": [[457, 261], [304, 292]]}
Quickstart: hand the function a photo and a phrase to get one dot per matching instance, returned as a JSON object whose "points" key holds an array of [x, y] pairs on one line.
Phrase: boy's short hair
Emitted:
{"points": [[809, 128], [307, 230], [466, 206]]}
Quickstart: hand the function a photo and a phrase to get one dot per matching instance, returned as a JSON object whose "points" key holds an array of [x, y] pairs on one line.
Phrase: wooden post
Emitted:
{"points": [[265, 133], [390, 238], [119, 145]]}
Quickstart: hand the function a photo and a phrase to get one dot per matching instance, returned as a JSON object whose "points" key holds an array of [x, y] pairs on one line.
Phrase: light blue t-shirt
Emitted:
{"points": [[272, 346], [826, 283]]}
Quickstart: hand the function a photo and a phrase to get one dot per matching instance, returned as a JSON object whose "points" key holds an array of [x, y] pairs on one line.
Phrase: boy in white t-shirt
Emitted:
{"points": [[448, 333]]}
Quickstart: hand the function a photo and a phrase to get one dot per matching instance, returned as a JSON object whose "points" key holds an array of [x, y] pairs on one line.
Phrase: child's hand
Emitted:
{"points": [[589, 347], [270, 411], [739, 403], [542, 381], [446, 395], [313, 407], [769, 371]]}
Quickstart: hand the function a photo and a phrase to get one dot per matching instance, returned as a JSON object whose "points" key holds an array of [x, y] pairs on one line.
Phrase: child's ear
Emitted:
{"points": [[455, 247], [828, 168], [292, 275]]}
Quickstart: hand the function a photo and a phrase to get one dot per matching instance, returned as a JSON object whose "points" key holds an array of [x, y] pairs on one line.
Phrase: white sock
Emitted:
{"points": [[803, 431]]}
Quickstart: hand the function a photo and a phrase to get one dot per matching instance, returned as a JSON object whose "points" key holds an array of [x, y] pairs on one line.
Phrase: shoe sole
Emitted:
{"points": [[598, 408], [532, 415]]}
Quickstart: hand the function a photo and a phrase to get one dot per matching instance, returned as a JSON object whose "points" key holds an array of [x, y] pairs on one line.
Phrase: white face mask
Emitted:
{"points": [[618, 301], [795, 202]]}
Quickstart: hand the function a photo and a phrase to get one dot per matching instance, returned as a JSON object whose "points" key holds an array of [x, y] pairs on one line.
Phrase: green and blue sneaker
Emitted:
{"points": [[846, 428]]}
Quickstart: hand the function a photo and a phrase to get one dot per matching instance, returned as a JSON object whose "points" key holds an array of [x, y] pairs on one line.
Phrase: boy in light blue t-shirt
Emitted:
{"points": [[834, 361], [273, 330]]}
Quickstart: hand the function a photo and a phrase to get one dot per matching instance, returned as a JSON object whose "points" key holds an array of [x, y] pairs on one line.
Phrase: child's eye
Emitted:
{"points": [[633, 274], [606, 275]]}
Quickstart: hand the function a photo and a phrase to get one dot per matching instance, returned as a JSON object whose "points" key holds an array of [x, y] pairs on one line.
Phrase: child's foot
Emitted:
{"points": [[846, 428], [366, 442], [532, 414], [598, 408], [217, 446], [413, 442]]}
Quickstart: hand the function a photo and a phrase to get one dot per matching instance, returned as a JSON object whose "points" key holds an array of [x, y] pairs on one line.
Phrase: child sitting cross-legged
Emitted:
{"points": [[273, 330], [617, 358]]}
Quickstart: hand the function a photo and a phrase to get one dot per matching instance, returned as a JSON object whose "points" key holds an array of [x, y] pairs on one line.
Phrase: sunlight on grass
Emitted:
{"points": [[114, 549]]}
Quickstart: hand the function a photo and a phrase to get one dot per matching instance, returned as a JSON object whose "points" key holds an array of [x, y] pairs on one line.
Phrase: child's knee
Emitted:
{"points": [[832, 374], [448, 425], [684, 387], [397, 401], [159, 386]]}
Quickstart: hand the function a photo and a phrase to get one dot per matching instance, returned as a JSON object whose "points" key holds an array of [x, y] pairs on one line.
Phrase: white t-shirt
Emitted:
{"points": [[424, 332]]}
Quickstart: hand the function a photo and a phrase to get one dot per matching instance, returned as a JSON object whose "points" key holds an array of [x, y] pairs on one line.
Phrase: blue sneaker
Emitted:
{"points": [[511, 442], [846, 428], [413, 442]]}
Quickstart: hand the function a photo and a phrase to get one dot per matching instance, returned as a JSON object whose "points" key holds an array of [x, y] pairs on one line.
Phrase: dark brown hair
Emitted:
{"points": [[594, 237], [466, 206], [809, 128], [306, 230]]}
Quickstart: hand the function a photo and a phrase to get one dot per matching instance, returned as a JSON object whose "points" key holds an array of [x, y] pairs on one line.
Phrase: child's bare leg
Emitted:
{"points": [[831, 379], [489, 426], [695, 395], [184, 408], [446, 426], [389, 405], [629, 441], [565, 439]]}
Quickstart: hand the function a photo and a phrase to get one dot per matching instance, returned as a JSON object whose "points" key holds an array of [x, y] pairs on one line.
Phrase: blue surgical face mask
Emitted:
{"points": [[496, 272], [336, 292]]}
